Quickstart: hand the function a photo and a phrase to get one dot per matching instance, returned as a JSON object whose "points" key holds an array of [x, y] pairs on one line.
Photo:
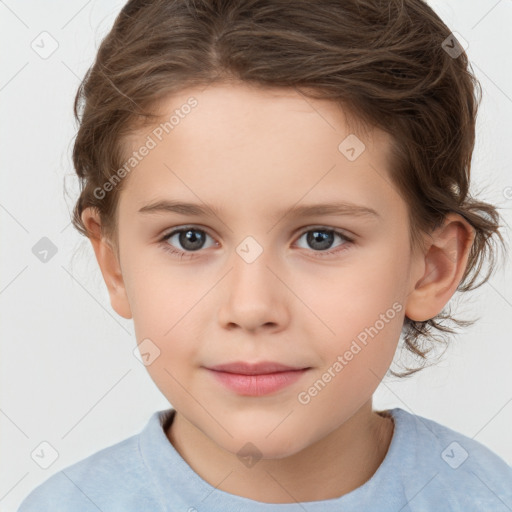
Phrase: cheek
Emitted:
{"points": [[354, 363], [362, 311], [163, 310], [354, 297], [159, 292]]}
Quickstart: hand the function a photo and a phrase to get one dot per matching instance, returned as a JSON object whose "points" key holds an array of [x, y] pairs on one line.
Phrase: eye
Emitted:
{"points": [[321, 238], [192, 240]]}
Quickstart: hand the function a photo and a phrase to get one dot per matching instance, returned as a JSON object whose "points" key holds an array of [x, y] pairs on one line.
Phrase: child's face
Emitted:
{"points": [[251, 155]]}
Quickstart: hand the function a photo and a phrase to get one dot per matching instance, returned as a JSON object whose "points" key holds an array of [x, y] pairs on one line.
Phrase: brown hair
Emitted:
{"points": [[385, 62]]}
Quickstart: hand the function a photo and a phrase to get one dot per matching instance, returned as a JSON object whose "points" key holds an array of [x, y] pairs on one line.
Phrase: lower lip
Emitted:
{"points": [[258, 385]]}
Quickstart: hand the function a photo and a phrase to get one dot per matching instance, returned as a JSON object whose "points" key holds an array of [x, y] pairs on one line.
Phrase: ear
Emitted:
{"points": [[108, 262], [443, 265]]}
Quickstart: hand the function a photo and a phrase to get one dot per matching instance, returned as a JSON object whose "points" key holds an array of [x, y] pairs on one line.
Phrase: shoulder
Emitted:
{"points": [[106, 480], [468, 474]]}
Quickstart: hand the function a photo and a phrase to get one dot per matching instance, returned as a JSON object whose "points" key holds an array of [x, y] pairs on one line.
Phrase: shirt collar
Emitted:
{"points": [[181, 488]]}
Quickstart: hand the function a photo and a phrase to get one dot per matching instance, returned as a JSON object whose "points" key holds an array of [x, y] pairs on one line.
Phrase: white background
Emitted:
{"points": [[68, 373]]}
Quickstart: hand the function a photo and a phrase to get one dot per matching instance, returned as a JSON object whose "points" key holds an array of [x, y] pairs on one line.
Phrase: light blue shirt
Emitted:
{"points": [[428, 467]]}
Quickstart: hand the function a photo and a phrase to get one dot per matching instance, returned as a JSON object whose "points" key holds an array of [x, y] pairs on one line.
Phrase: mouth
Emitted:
{"points": [[262, 368], [256, 379]]}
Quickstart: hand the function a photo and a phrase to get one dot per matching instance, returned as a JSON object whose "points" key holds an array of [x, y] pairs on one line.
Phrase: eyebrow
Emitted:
{"points": [[193, 209]]}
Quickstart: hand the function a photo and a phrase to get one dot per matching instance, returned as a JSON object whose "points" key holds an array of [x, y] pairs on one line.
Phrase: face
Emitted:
{"points": [[323, 290]]}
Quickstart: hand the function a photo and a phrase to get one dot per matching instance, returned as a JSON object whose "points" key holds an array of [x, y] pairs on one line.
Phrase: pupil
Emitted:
{"points": [[321, 236], [190, 240]]}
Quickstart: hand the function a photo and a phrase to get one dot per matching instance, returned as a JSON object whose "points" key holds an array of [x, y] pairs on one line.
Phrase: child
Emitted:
{"points": [[261, 128]]}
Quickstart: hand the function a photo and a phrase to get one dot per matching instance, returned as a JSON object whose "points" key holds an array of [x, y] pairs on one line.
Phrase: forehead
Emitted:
{"points": [[239, 143]]}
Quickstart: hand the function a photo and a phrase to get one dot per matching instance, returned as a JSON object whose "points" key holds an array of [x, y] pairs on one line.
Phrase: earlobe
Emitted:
{"points": [[443, 264], [108, 263]]}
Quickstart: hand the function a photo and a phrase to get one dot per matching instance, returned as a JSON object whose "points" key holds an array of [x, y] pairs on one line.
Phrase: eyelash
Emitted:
{"points": [[191, 254]]}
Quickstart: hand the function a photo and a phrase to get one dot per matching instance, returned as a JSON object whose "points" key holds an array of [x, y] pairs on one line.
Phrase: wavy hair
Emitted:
{"points": [[390, 64]]}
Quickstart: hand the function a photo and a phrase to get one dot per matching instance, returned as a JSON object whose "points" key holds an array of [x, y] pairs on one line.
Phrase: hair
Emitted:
{"points": [[383, 62]]}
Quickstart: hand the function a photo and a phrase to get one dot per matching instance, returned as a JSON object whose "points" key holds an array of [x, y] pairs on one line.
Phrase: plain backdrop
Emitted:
{"points": [[68, 374]]}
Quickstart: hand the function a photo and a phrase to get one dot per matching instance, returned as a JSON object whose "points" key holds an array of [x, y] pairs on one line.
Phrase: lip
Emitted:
{"points": [[256, 379], [261, 368]]}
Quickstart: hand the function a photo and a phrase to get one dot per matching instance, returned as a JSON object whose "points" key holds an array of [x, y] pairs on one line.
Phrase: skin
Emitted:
{"points": [[251, 152]]}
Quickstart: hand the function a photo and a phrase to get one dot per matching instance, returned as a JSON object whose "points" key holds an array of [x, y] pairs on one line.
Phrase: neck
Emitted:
{"points": [[334, 466]]}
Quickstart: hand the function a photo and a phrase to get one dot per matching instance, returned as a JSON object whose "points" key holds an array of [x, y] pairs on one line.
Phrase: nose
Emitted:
{"points": [[254, 297]]}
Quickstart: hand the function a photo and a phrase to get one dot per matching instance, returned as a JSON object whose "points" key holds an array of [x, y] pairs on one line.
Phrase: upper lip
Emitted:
{"points": [[261, 368]]}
